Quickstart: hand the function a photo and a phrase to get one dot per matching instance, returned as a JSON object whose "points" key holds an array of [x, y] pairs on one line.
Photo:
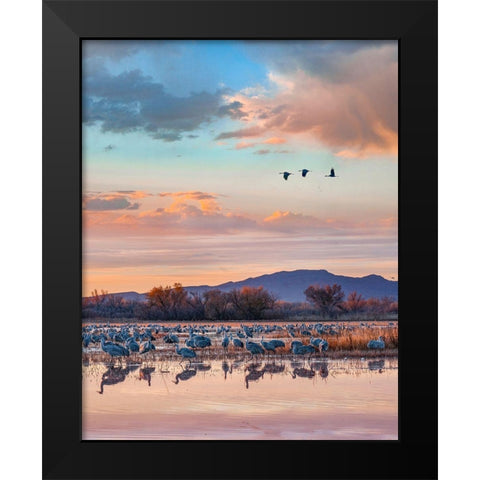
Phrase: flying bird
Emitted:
{"points": [[332, 173], [285, 174], [304, 172]]}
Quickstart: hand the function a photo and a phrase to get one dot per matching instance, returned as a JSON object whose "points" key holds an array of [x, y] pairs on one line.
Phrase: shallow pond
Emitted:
{"points": [[321, 399]]}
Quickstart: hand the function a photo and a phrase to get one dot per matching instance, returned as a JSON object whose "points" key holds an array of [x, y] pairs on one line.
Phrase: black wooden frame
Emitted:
{"points": [[414, 24]]}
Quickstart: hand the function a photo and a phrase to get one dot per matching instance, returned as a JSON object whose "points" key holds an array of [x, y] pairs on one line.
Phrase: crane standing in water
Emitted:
{"points": [[254, 348], [185, 352], [377, 344], [114, 349]]}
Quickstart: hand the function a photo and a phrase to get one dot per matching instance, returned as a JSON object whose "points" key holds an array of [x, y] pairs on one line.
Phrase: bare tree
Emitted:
{"points": [[252, 302], [327, 299], [355, 303], [168, 299], [216, 304]]}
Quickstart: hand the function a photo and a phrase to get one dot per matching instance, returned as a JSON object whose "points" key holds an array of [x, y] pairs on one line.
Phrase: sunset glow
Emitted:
{"points": [[184, 142]]}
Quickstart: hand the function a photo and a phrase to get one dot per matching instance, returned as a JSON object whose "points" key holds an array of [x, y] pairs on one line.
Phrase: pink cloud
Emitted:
{"points": [[242, 145], [356, 117], [207, 201], [274, 141]]}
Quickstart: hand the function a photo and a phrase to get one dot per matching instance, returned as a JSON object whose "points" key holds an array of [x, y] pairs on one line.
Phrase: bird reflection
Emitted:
{"points": [[146, 374], [202, 367], [321, 367], [114, 375], [273, 368], [296, 364], [376, 365], [187, 374], [226, 369], [254, 374], [303, 372]]}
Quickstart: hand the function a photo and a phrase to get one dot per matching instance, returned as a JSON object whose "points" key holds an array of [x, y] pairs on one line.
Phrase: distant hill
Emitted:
{"points": [[289, 286]]}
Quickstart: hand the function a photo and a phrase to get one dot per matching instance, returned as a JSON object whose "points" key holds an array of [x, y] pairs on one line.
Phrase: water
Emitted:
{"points": [[323, 399]]}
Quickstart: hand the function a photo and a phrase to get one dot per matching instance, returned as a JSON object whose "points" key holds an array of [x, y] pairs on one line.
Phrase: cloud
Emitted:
{"points": [[261, 152], [286, 220], [119, 200], [233, 110], [206, 201], [241, 133], [132, 101], [343, 96], [297, 223], [115, 203], [274, 141], [134, 206], [242, 145]]}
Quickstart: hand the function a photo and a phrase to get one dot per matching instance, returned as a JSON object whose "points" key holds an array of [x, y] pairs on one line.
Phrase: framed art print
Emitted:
{"points": [[240, 239]]}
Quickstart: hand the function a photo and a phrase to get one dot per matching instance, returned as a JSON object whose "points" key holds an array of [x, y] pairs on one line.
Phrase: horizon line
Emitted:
{"points": [[248, 278]]}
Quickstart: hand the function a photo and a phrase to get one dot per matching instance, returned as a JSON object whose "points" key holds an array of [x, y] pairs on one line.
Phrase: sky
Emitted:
{"points": [[184, 142]]}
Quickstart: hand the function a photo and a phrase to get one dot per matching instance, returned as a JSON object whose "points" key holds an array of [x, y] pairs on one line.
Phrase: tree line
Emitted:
{"points": [[247, 303]]}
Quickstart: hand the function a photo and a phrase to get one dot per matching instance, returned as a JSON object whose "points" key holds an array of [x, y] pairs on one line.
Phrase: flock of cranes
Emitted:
{"points": [[132, 339], [304, 173]]}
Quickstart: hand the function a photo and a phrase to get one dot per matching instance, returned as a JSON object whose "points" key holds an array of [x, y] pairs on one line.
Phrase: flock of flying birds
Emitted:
{"points": [[304, 173]]}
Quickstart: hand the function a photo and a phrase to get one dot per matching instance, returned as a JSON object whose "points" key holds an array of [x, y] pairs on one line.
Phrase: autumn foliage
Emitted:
{"points": [[248, 303]]}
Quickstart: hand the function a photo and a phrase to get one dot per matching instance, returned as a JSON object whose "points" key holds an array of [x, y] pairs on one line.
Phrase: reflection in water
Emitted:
{"points": [[274, 368], [114, 375], [296, 364], [254, 373], [185, 375], [321, 368], [376, 365], [303, 372], [146, 374], [225, 369], [281, 400], [202, 367]]}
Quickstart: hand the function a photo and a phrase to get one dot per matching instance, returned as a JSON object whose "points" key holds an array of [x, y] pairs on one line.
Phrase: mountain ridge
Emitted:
{"points": [[290, 285]]}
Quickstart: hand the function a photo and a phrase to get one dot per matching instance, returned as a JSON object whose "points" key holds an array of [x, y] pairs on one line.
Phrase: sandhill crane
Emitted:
{"points": [[304, 172], [185, 352], [254, 348], [285, 175], [237, 343], [377, 344], [201, 341], [268, 346], [332, 173], [114, 349], [277, 343], [300, 349], [147, 347]]}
